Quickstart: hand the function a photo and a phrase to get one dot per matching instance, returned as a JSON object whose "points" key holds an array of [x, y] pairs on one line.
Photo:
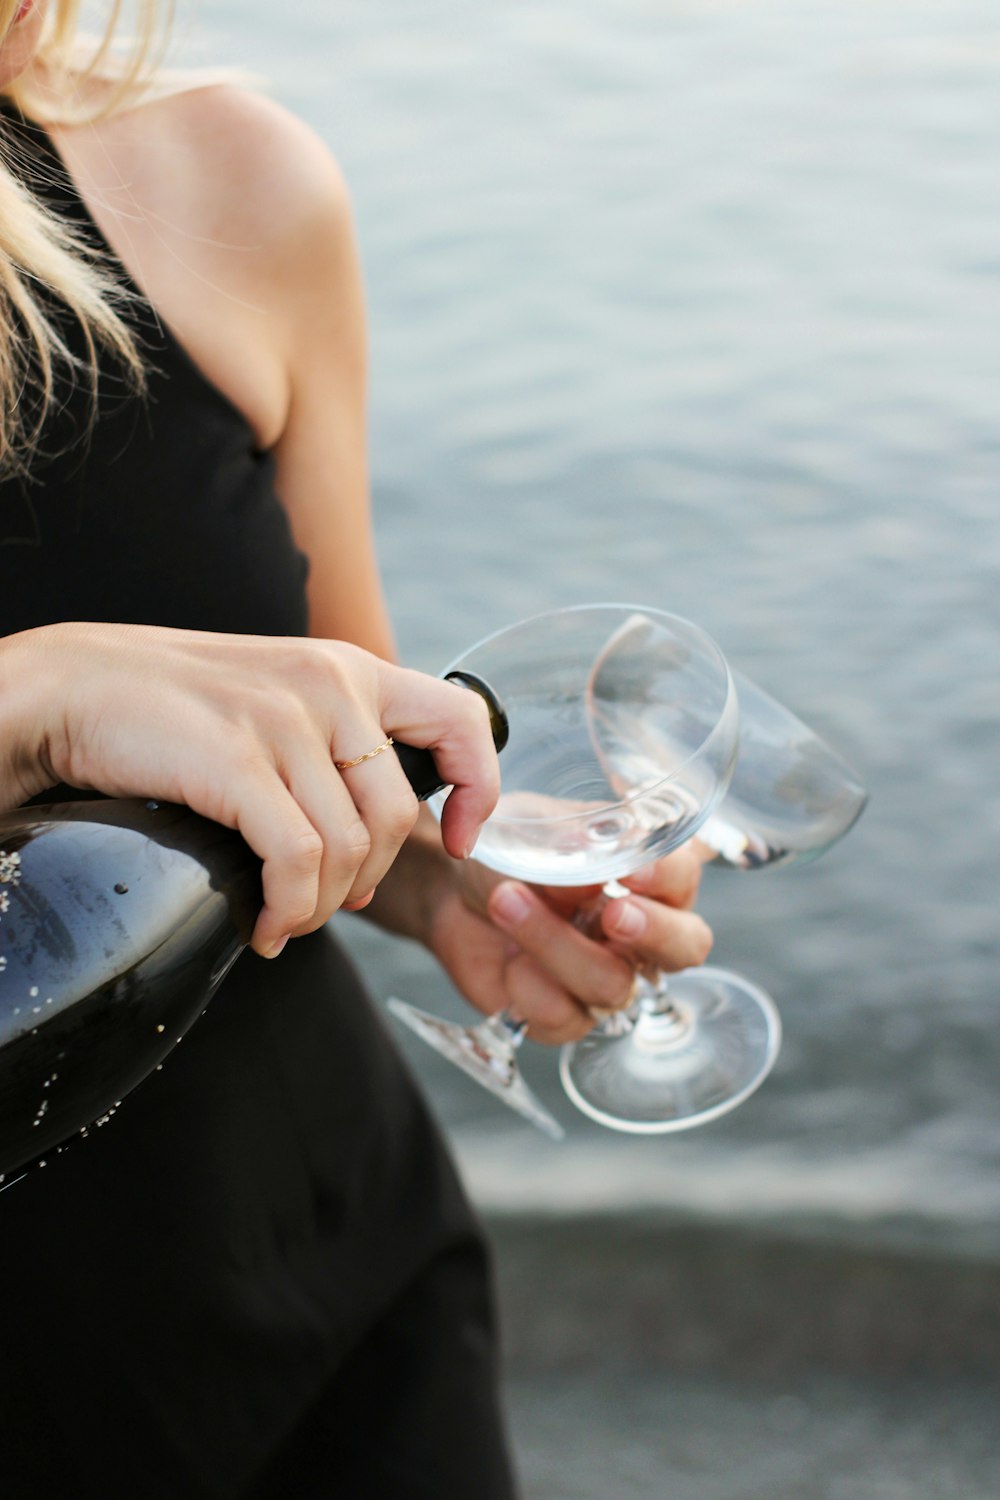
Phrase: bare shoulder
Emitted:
{"points": [[240, 157], [277, 168], [233, 216]]}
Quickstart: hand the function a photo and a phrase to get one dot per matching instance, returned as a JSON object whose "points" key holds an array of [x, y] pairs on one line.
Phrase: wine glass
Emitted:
{"points": [[791, 795], [789, 799], [623, 739]]}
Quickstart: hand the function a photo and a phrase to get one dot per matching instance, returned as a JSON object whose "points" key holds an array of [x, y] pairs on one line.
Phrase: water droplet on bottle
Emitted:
{"points": [[121, 889]]}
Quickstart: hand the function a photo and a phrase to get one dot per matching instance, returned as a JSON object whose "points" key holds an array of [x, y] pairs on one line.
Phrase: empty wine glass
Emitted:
{"points": [[789, 798], [623, 740], [791, 795]]}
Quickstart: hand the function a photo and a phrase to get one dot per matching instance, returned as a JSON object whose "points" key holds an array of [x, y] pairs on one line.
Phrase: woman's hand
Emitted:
{"points": [[507, 944], [245, 730]]}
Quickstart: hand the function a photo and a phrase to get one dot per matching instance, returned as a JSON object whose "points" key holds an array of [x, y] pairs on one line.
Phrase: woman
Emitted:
{"points": [[262, 1279]]}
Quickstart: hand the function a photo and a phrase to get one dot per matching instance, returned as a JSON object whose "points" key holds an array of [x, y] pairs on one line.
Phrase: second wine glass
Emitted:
{"points": [[623, 739]]}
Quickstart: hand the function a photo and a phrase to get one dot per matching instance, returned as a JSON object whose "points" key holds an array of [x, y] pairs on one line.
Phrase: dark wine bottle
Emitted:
{"points": [[119, 918]]}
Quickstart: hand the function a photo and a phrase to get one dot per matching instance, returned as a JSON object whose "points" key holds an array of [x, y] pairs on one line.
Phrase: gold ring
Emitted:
{"points": [[345, 765]]}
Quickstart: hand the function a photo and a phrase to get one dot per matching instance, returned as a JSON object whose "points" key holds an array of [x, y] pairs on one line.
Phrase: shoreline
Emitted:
{"points": [[653, 1291]]}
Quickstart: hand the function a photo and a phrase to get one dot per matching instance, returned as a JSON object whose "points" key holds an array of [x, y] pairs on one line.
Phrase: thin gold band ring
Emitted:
{"points": [[345, 765]]}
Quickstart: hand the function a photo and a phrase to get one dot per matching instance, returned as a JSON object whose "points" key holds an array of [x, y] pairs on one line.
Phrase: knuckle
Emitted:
{"points": [[322, 671], [300, 657], [351, 848], [471, 712], [304, 851], [283, 715], [339, 664], [249, 747], [397, 816]]}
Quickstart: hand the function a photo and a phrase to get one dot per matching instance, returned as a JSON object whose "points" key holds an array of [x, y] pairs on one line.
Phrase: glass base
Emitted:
{"points": [[488, 1053], [700, 1045]]}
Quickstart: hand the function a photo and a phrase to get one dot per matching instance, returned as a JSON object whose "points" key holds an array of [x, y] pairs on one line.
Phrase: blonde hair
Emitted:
{"points": [[72, 79]]}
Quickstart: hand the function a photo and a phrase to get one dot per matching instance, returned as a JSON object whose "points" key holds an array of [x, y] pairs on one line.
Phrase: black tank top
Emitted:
{"points": [[173, 480]]}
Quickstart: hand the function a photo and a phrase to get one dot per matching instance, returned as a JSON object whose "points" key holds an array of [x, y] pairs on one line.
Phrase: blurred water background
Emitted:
{"points": [[696, 303]]}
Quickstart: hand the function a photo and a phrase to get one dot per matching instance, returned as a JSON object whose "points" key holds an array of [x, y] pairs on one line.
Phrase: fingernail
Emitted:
{"points": [[510, 904], [277, 947], [629, 920]]}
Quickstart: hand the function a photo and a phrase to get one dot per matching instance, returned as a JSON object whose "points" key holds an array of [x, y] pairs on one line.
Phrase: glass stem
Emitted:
{"points": [[505, 1026], [495, 1041], [514, 1031], [659, 1023], [651, 1007]]}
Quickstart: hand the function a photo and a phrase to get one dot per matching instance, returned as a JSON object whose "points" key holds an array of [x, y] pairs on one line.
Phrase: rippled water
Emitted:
{"points": [[698, 305]]}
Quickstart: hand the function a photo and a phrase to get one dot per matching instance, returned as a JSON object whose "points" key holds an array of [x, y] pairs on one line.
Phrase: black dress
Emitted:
{"points": [[262, 1277]]}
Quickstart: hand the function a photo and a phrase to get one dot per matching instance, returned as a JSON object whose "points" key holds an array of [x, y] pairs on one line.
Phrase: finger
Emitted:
{"points": [[674, 879], [453, 723], [651, 933], [591, 972], [551, 1014], [281, 835], [386, 805], [346, 874]]}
